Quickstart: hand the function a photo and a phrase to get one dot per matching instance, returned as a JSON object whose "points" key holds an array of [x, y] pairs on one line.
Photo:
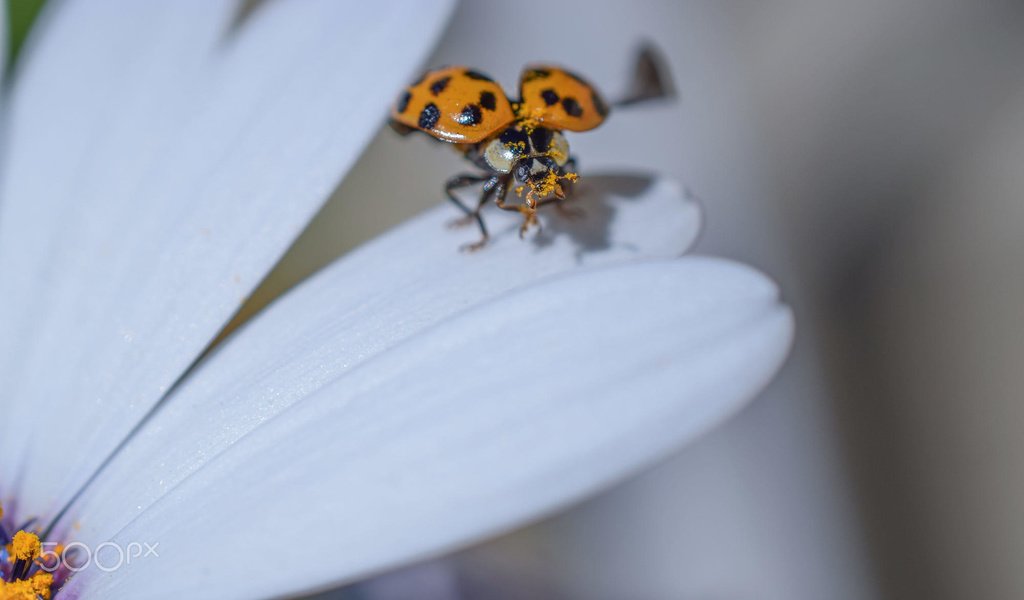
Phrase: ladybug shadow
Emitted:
{"points": [[590, 211]]}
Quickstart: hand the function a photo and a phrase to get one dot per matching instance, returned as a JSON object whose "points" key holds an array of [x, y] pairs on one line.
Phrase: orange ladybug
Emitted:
{"points": [[510, 140]]}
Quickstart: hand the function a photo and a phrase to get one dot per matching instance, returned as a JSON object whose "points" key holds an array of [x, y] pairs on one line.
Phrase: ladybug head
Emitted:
{"points": [[531, 170], [537, 157], [544, 163], [542, 175]]}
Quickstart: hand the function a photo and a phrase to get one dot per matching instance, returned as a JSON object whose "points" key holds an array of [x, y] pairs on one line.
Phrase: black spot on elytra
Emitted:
{"points": [[572, 107], [549, 96], [438, 86], [476, 75], [541, 138], [602, 108], [403, 102], [536, 74], [429, 116], [488, 101], [470, 115]]}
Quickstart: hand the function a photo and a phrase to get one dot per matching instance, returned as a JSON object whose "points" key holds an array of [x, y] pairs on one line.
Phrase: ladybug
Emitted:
{"points": [[513, 141]]}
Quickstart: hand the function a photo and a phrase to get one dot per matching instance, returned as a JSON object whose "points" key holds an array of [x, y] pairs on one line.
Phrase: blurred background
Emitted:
{"points": [[868, 155]]}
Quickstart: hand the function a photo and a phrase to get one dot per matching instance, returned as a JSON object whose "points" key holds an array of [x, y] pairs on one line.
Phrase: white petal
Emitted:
{"points": [[383, 293], [494, 417], [159, 165]]}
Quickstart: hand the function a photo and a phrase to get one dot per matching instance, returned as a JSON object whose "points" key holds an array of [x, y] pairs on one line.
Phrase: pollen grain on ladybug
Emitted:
{"points": [[518, 143]]}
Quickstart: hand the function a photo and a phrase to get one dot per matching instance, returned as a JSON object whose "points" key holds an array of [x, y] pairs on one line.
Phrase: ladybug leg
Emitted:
{"points": [[492, 185], [502, 192], [559, 199], [527, 209], [461, 181]]}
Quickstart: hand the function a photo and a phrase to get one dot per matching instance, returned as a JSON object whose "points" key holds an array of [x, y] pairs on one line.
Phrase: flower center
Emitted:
{"points": [[30, 569]]}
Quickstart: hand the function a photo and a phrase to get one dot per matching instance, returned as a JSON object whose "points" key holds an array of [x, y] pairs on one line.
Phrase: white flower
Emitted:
{"points": [[407, 400]]}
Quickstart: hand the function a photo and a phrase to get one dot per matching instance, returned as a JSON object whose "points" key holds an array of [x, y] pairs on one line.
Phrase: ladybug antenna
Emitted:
{"points": [[651, 78]]}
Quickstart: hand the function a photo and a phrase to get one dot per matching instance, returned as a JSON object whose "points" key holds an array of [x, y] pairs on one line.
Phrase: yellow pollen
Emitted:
{"points": [[1, 511], [558, 155], [42, 583], [546, 186], [529, 119], [24, 546], [33, 588]]}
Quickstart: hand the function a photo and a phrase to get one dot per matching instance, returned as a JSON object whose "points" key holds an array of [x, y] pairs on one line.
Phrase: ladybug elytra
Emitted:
{"points": [[517, 141]]}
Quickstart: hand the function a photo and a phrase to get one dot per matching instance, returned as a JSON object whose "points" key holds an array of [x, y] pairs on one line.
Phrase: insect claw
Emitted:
{"points": [[529, 218]]}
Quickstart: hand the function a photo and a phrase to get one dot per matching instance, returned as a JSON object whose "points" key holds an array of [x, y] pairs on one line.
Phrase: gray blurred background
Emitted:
{"points": [[866, 154]]}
